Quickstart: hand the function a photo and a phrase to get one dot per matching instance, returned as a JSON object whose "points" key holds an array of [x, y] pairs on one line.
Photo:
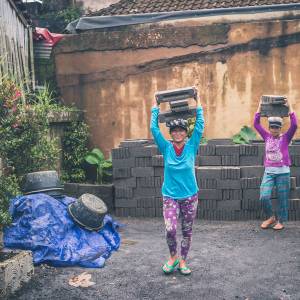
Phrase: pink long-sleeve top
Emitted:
{"points": [[276, 149]]}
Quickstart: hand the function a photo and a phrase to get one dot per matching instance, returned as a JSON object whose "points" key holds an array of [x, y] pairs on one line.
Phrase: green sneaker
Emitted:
{"points": [[170, 268]]}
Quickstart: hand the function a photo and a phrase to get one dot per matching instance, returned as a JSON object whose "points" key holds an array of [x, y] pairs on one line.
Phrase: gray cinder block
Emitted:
{"points": [[207, 183], [269, 110], [229, 184], [251, 194], [230, 160], [209, 160], [142, 171], [149, 181], [143, 161], [250, 183], [295, 160], [121, 173], [252, 171], [251, 160], [294, 149], [147, 192], [146, 202], [119, 153], [123, 162], [251, 204], [248, 150], [230, 173], [146, 151], [159, 171], [125, 182], [232, 194], [295, 194], [227, 150], [208, 172], [229, 205], [157, 161], [123, 192], [220, 142], [295, 171], [134, 143], [207, 150], [207, 194], [294, 204], [124, 202], [208, 204]]}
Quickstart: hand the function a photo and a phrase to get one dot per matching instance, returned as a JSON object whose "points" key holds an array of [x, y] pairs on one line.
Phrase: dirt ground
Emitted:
{"points": [[230, 260]]}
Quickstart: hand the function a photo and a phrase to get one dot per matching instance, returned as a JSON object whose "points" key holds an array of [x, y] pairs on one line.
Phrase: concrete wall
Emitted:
{"points": [[112, 75]]}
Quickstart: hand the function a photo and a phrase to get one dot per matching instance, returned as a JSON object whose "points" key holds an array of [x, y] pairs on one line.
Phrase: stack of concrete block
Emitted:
{"points": [[228, 177], [138, 179]]}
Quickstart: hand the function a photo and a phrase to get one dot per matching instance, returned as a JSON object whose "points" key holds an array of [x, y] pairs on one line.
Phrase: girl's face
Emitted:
{"points": [[275, 131], [178, 135]]}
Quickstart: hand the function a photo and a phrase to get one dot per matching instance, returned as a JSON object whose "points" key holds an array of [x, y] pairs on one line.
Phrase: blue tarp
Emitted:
{"points": [[43, 225]]}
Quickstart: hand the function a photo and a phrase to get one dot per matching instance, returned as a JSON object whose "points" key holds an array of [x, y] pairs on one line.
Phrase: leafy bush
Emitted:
{"points": [[75, 148], [244, 136], [9, 188], [24, 132]]}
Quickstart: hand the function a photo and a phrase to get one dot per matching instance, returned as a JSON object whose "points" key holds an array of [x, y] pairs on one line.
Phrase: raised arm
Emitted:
{"points": [[199, 127], [157, 135], [293, 125], [263, 133]]}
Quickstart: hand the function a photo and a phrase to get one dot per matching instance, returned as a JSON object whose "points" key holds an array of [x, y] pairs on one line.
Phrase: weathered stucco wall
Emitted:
{"points": [[113, 75]]}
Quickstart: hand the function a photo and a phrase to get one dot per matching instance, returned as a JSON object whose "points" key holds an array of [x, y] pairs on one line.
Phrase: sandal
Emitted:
{"points": [[268, 223], [170, 268], [278, 226], [185, 270]]}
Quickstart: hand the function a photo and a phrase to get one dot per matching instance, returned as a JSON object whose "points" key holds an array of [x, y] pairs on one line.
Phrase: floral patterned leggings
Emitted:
{"points": [[171, 209]]}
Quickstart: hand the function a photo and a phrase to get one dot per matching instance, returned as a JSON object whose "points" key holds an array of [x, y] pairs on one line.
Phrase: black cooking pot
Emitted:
{"points": [[42, 182], [88, 211]]}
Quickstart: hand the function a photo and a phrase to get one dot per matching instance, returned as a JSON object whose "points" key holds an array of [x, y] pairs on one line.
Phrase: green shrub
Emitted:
{"points": [[24, 133], [9, 188], [75, 148]]}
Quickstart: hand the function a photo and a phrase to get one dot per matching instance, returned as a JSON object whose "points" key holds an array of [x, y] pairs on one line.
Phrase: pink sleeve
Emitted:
{"points": [[293, 127], [263, 133]]}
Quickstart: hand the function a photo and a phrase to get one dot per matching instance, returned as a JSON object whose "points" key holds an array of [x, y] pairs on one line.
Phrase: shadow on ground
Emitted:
{"points": [[230, 260]]}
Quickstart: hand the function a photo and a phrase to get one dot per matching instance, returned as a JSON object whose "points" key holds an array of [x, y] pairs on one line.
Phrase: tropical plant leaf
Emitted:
{"points": [[97, 152], [92, 159], [237, 139], [106, 164], [247, 134]]}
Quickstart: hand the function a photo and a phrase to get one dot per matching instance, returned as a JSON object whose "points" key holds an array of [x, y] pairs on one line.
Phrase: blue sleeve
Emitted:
{"points": [[161, 142], [195, 139]]}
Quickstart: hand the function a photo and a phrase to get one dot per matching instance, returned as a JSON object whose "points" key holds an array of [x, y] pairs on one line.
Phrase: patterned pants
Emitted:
{"points": [[172, 208], [282, 183]]}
